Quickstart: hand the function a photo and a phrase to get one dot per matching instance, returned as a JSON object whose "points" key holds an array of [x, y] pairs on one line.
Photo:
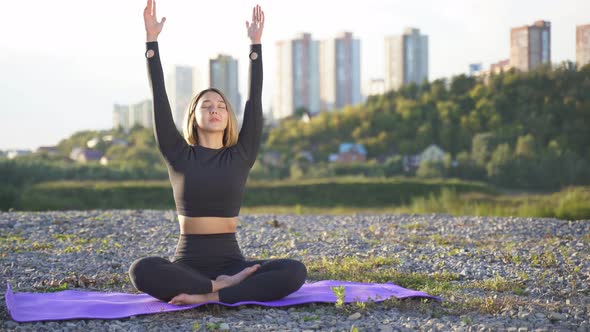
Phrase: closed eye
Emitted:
{"points": [[207, 105]]}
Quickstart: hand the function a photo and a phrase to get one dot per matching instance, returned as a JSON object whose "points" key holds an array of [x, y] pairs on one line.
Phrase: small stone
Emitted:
{"points": [[385, 328], [354, 316], [523, 315], [11, 324], [555, 316], [224, 327]]}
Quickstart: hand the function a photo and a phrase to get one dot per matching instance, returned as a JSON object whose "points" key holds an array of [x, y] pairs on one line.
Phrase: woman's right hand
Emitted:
{"points": [[152, 26]]}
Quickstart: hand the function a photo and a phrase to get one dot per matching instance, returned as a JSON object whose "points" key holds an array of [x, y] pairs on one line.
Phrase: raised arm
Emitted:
{"points": [[169, 141], [251, 132]]}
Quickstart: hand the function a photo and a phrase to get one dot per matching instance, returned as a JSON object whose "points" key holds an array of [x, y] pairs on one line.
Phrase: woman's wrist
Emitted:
{"points": [[252, 41], [151, 38]]}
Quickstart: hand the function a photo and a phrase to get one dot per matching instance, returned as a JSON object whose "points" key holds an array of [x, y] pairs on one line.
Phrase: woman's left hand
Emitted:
{"points": [[256, 26]]}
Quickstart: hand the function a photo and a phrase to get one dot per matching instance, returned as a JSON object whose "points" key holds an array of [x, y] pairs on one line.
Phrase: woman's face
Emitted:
{"points": [[211, 112]]}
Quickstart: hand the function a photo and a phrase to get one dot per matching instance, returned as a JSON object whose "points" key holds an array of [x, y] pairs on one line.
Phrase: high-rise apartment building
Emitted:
{"points": [[179, 88], [406, 59], [297, 76], [530, 46], [128, 116], [340, 72], [582, 45]]}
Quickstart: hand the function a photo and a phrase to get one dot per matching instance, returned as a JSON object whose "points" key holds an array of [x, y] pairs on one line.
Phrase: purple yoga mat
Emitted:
{"points": [[77, 304]]}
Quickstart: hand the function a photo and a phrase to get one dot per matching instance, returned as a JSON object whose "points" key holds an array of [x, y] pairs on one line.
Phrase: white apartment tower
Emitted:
{"points": [[128, 116], [297, 76], [406, 59], [340, 72], [179, 88], [530, 45], [582, 45]]}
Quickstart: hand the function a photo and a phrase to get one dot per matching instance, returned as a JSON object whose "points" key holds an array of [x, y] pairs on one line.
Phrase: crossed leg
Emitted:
{"points": [[259, 280]]}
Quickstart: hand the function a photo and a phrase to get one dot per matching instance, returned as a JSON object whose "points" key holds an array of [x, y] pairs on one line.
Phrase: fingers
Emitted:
{"points": [[154, 1], [257, 15], [148, 9]]}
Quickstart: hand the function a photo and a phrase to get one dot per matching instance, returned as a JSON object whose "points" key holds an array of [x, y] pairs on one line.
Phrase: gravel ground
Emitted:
{"points": [[547, 258]]}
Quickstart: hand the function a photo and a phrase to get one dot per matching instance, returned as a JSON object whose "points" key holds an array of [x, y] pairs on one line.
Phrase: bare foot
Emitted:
{"points": [[228, 281], [183, 298], [223, 279]]}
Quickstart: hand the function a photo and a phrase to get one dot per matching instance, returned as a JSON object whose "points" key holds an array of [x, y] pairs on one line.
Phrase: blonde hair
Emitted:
{"points": [[189, 128]]}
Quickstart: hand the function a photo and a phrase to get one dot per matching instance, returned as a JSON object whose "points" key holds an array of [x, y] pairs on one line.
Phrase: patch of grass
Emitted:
{"points": [[498, 284], [117, 279], [448, 240], [414, 226], [545, 259], [17, 243], [572, 203], [339, 292], [63, 237], [369, 269], [444, 284], [12, 243], [213, 326], [439, 284], [35, 246], [307, 318], [58, 288], [73, 239], [490, 305], [380, 270], [523, 276], [72, 249]]}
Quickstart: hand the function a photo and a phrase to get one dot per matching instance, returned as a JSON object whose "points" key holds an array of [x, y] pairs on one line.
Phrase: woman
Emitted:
{"points": [[208, 168]]}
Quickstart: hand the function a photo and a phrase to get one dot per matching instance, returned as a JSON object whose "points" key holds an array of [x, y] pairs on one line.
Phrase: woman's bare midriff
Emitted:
{"points": [[207, 225]]}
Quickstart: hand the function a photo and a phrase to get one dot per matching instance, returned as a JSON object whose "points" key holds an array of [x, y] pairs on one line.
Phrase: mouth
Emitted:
{"points": [[215, 120]]}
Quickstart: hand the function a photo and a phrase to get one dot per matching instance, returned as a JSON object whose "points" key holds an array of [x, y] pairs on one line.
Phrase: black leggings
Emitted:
{"points": [[200, 258]]}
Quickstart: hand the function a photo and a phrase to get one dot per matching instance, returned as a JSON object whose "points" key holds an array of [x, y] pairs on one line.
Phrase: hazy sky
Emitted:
{"points": [[64, 63]]}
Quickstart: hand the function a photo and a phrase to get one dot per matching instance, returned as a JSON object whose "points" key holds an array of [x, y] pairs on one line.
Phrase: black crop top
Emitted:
{"points": [[207, 182]]}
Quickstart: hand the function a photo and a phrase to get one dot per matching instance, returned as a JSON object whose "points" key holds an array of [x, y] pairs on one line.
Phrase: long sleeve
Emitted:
{"points": [[251, 132], [170, 142]]}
